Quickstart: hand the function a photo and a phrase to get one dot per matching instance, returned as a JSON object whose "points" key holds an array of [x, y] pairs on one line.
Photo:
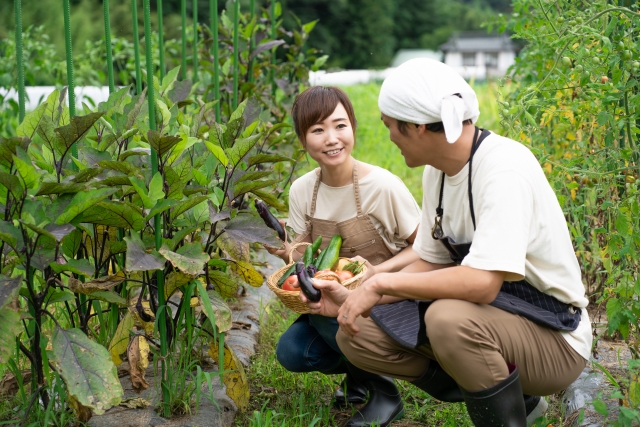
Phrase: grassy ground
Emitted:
{"points": [[372, 139], [284, 399]]}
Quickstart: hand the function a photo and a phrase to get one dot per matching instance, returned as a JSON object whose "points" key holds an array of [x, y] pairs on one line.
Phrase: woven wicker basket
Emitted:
{"points": [[291, 299]]}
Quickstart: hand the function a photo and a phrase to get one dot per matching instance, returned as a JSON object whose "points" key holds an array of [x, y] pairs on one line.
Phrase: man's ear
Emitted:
{"points": [[422, 129]]}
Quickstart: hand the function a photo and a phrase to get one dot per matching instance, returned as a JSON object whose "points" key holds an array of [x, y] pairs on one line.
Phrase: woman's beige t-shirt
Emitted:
{"points": [[383, 196]]}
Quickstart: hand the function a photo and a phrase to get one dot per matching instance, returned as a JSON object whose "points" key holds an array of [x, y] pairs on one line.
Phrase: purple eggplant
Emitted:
{"points": [[306, 283], [270, 220], [312, 270]]}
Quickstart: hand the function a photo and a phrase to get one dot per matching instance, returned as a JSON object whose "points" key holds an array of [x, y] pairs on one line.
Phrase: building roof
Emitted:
{"points": [[403, 55], [478, 41]]}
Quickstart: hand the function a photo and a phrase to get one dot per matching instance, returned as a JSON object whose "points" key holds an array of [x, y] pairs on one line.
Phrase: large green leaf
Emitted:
{"points": [[186, 205], [12, 183], [251, 229], [83, 267], [226, 284], [31, 121], [236, 249], [53, 231], [161, 206], [30, 176], [11, 235], [87, 369], [162, 143], [189, 259], [60, 188], [137, 257], [8, 288], [120, 166], [47, 131], [250, 186], [218, 153], [83, 201], [241, 148], [77, 128], [10, 327], [215, 308], [138, 151], [87, 174], [174, 280], [169, 79], [267, 158], [270, 199], [115, 214], [253, 176], [8, 148], [116, 102]]}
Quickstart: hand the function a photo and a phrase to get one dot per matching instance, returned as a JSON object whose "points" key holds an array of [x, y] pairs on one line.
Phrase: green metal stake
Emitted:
{"points": [[20, 58], [162, 326], [136, 45], [273, 51], [183, 13], [107, 39], [72, 94], [252, 42], [213, 17], [160, 39], [195, 41], [236, 56]]}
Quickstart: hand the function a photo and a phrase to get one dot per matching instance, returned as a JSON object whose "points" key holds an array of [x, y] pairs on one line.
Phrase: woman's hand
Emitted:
{"points": [[371, 270], [358, 303], [284, 250], [333, 295]]}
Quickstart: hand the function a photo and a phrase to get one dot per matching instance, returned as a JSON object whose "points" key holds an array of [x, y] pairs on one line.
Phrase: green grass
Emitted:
{"points": [[372, 139], [285, 399]]}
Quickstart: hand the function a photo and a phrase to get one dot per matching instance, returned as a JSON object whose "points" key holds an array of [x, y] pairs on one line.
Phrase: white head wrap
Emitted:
{"points": [[421, 91]]}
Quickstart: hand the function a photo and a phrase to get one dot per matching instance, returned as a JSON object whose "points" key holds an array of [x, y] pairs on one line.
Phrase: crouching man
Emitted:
{"points": [[493, 314]]}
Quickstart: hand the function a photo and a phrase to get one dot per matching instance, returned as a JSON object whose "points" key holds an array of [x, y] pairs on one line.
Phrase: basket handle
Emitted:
{"points": [[294, 247]]}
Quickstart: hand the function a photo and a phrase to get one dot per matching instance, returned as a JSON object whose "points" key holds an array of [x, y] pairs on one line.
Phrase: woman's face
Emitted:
{"points": [[330, 142]]}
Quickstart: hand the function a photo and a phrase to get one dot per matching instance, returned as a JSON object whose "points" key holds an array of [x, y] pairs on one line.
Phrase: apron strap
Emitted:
{"points": [[315, 193], [356, 187]]}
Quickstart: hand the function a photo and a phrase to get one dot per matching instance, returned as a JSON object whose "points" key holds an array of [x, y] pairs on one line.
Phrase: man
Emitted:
{"points": [[494, 311]]}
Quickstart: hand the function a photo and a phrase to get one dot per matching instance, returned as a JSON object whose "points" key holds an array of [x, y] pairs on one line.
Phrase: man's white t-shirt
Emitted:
{"points": [[520, 226], [383, 196]]}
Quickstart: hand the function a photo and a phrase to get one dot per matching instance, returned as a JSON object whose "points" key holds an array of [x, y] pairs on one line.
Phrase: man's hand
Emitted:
{"points": [[359, 302], [333, 295]]}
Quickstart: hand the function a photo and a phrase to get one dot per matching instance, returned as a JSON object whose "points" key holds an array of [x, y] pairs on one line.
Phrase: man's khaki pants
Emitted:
{"points": [[473, 343]]}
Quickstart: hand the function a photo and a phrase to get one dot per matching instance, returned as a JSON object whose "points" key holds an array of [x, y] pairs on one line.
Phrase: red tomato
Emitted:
{"points": [[291, 284], [344, 275]]}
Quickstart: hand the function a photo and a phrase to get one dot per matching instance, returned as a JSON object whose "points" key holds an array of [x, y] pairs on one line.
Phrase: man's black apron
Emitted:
{"points": [[404, 320]]}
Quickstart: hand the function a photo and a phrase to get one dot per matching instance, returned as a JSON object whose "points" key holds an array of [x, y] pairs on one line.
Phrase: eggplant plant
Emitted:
{"points": [[78, 258]]}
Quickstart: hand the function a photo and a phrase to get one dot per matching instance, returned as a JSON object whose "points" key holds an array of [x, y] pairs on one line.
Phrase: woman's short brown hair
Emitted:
{"points": [[316, 104]]}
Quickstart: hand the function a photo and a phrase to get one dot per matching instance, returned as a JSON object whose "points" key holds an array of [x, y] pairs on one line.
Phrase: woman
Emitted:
{"points": [[378, 219]]}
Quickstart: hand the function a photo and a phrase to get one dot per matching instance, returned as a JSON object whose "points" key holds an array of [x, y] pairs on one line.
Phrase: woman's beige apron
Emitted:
{"points": [[359, 235]]}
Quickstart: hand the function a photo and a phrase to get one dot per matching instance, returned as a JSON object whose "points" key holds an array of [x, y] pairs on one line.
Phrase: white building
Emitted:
{"points": [[480, 55]]}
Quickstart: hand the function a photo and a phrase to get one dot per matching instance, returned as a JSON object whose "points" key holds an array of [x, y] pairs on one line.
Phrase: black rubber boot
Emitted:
{"points": [[356, 392], [439, 384], [351, 392], [499, 406], [385, 404]]}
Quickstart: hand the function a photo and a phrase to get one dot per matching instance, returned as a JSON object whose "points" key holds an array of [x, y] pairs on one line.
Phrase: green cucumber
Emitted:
{"points": [[286, 274], [331, 254], [313, 248]]}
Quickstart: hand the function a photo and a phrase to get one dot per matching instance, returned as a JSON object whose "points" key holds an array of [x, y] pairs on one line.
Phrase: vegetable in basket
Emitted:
{"points": [[330, 255], [306, 283]]}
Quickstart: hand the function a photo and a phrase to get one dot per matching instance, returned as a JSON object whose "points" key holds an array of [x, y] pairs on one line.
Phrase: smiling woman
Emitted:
{"points": [[377, 218]]}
